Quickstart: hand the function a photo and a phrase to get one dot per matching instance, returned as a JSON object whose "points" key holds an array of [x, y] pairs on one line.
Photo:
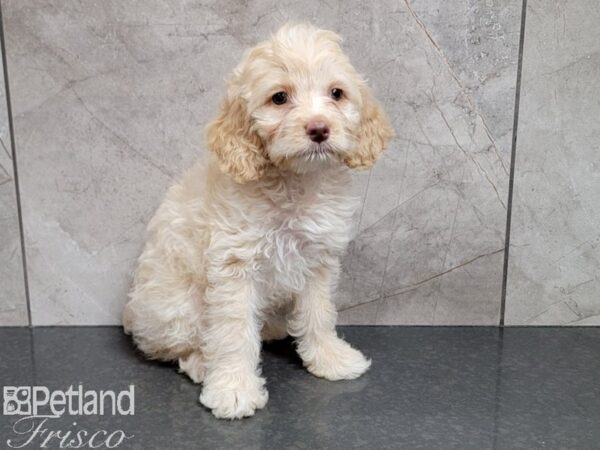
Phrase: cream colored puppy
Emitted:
{"points": [[248, 244]]}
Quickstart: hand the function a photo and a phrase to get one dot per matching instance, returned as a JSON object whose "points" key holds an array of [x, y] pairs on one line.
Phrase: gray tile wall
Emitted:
{"points": [[109, 102], [554, 263], [430, 243], [13, 303]]}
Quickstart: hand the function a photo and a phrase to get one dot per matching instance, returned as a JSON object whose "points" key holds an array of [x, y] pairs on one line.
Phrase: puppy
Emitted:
{"points": [[247, 246]]}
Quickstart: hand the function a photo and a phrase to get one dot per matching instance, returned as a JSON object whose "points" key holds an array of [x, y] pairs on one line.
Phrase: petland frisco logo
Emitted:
{"points": [[38, 408]]}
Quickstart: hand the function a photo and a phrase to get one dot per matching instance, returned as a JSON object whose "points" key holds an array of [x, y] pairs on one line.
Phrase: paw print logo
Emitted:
{"points": [[17, 400]]}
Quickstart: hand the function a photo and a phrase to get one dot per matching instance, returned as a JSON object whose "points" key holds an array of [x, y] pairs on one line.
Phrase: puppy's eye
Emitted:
{"points": [[336, 93], [279, 98]]}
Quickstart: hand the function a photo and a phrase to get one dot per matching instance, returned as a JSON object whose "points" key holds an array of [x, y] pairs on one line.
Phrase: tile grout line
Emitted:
{"points": [[513, 153], [498, 387], [15, 169]]}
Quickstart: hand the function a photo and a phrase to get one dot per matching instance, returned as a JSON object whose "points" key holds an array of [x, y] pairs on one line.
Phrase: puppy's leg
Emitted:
{"points": [[274, 329], [275, 323], [233, 387], [312, 323]]}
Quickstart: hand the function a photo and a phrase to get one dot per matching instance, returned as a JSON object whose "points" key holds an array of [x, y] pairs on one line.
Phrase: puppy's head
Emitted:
{"points": [[297, 103]]}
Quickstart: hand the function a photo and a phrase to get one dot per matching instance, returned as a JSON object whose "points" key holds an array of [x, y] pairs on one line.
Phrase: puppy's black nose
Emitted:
{"points": [[317, 131]]}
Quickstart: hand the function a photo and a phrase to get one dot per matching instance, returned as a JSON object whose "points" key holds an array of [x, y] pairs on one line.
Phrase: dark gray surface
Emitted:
{"points": [[428, 388]]}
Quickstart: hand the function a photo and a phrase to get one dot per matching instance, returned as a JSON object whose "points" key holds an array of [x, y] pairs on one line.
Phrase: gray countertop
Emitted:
{"points": [[428, 388]]}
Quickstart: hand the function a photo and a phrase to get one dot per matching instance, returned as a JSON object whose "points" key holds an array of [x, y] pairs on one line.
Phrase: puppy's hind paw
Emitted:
{"points": [[193, 366]]}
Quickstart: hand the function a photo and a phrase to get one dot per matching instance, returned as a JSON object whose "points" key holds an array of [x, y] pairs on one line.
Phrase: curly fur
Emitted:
{"points": [[247, 244]]}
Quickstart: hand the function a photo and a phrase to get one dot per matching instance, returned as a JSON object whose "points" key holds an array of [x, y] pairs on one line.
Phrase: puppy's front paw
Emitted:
{"points": [[235, 400], [335, 360]]}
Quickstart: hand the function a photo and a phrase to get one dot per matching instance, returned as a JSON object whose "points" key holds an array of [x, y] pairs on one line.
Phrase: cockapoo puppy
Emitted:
{"points": [[247, 245]]}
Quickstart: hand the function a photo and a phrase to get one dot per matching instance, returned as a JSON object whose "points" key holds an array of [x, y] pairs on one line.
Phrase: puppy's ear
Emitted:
{"points": [[238, 148], [375, 132]]}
